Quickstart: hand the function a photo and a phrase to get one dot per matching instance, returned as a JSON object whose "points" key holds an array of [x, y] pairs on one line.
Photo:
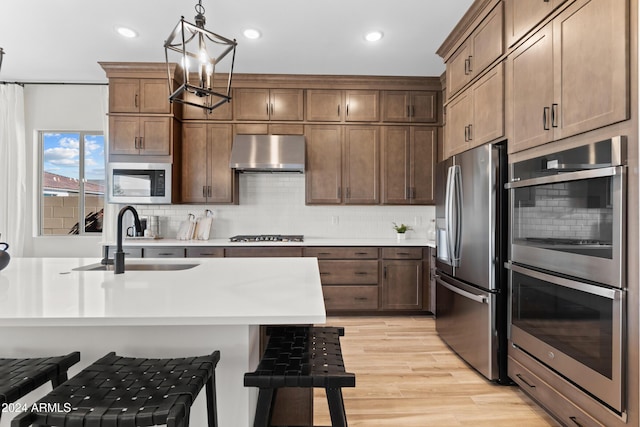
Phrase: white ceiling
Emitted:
{"points": [[63, 40]]}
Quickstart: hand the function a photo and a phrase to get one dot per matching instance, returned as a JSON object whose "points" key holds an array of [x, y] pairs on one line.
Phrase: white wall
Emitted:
{"points": [[61, 108], [269, 203]]}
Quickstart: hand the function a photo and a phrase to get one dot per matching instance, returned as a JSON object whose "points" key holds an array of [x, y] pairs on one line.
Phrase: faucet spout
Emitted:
{"points": [[118, 257]]}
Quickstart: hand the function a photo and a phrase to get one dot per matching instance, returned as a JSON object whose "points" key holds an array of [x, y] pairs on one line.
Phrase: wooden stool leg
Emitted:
{"points": [[336, 407], [264, 409], [212, 404]]}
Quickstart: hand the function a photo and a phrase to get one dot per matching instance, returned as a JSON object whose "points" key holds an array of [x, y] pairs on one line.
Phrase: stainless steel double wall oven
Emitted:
{"points": [[567, 265]]}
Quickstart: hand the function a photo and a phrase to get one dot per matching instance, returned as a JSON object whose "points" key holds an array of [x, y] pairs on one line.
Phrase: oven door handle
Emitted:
{"points": [[477, 298], [612, 294], [568, 176]]}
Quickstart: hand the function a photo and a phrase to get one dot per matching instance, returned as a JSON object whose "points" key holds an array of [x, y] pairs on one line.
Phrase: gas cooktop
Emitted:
{"points": [[267, 238]]}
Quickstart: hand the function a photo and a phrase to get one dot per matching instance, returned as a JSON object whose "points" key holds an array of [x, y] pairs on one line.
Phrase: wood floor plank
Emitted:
{"points": [[407, 377]]}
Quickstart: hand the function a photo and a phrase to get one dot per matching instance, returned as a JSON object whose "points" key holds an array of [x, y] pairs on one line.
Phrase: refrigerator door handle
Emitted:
{"points": [[448, 215], [477, 298], [456, 242]]}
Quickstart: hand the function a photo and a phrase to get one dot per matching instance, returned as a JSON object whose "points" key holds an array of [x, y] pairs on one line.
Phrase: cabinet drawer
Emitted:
{"points": [[267, 251], [402, 253], [350, 297], [550, 398], [205, 252], [348, 272], [164, 252], [341, 253], [129, 252]]}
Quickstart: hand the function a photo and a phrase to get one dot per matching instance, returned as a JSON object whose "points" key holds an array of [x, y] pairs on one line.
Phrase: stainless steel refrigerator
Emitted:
{"points": [[471, 285]]}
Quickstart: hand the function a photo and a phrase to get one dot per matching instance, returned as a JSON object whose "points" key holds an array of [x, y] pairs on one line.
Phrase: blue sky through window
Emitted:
{"points": [[61, 154]]}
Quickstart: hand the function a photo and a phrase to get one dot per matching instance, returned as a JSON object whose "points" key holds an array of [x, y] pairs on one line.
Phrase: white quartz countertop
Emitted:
{"points": [[218, 291], [307, 242]]}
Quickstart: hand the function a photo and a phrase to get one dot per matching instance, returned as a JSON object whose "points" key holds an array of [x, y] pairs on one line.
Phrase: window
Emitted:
{"points": [[72, 170]]}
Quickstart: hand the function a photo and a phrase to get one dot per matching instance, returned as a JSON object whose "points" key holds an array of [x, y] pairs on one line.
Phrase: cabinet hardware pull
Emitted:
{"points": [[324, 273], [338, 110], [413, 111], [545, 112], [525, 381], [209, 191], [135, 101], [470, 134], [554, 115], [271, 112], [362, 253], [466, 133], [142, 142], [466, 67], [360, 298], [347, 110], [384, 272], [204, 191], [165, 253], [348, 192], [403, 253], [135, 142], [575, 421], [361, 273], [324, 253], [470, 68]]}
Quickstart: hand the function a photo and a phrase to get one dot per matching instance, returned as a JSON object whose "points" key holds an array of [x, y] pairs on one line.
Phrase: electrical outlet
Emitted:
{"points": [[335, 220]]}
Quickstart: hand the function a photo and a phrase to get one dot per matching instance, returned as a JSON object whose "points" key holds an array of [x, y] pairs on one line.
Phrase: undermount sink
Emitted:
{"points": [[137, 267]]}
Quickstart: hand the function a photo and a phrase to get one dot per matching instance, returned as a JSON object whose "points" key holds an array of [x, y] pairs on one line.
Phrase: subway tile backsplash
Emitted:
{"points": [[275, 204]]}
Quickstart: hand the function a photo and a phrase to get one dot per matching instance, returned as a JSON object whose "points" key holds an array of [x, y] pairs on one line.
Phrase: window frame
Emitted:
{"points": [[81, 181]]}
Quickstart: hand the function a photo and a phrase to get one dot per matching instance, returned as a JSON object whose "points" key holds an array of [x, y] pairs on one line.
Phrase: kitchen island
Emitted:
{"points": [[48, 308]]}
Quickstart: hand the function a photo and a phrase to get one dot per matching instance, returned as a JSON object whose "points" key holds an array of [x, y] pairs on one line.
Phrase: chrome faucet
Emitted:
{"points": [[118, 257]]}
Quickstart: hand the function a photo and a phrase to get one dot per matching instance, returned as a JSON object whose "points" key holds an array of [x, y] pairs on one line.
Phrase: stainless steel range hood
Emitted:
{"points": [[268, 153]]}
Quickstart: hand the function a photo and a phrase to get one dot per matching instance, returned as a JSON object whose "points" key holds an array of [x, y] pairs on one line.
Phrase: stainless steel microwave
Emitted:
{"points": [[139, 183]]}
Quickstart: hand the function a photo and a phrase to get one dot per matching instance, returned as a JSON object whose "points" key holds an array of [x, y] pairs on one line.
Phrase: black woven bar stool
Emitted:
{"points": [[298, 356], [129, 392], [19, 377]]}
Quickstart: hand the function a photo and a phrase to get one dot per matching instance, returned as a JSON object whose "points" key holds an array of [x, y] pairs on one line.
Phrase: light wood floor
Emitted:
{"points": [[406, 376]]}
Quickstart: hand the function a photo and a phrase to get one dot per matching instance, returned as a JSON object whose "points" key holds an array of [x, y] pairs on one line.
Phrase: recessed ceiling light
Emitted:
{"points": [[373, 36], [126, 32], [252, 33]]}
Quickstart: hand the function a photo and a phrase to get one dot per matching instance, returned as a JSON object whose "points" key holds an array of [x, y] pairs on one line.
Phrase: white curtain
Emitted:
{"points": [[110, 210], [13, 188]]}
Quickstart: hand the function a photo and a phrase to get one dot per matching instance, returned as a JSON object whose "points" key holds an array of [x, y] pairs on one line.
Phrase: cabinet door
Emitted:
{"points": [[124, 95], [251, 104], [395, 164], [424, 142], [396, 106], [362, 106], [361, 175], [531, 91], [124, 133], [458, 73], [402, 285], [488, 107], [194, 163], [590, 66], [323, 174], [154, 96], [424, 107], [487, 42], [521, 16], [324, 105], [191, 112], [286, 104], [222, 177], [155, 136], [459, 113]]}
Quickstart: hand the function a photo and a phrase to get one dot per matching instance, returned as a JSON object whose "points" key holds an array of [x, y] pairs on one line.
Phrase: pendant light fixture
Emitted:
{"points": [[199, 53]]}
